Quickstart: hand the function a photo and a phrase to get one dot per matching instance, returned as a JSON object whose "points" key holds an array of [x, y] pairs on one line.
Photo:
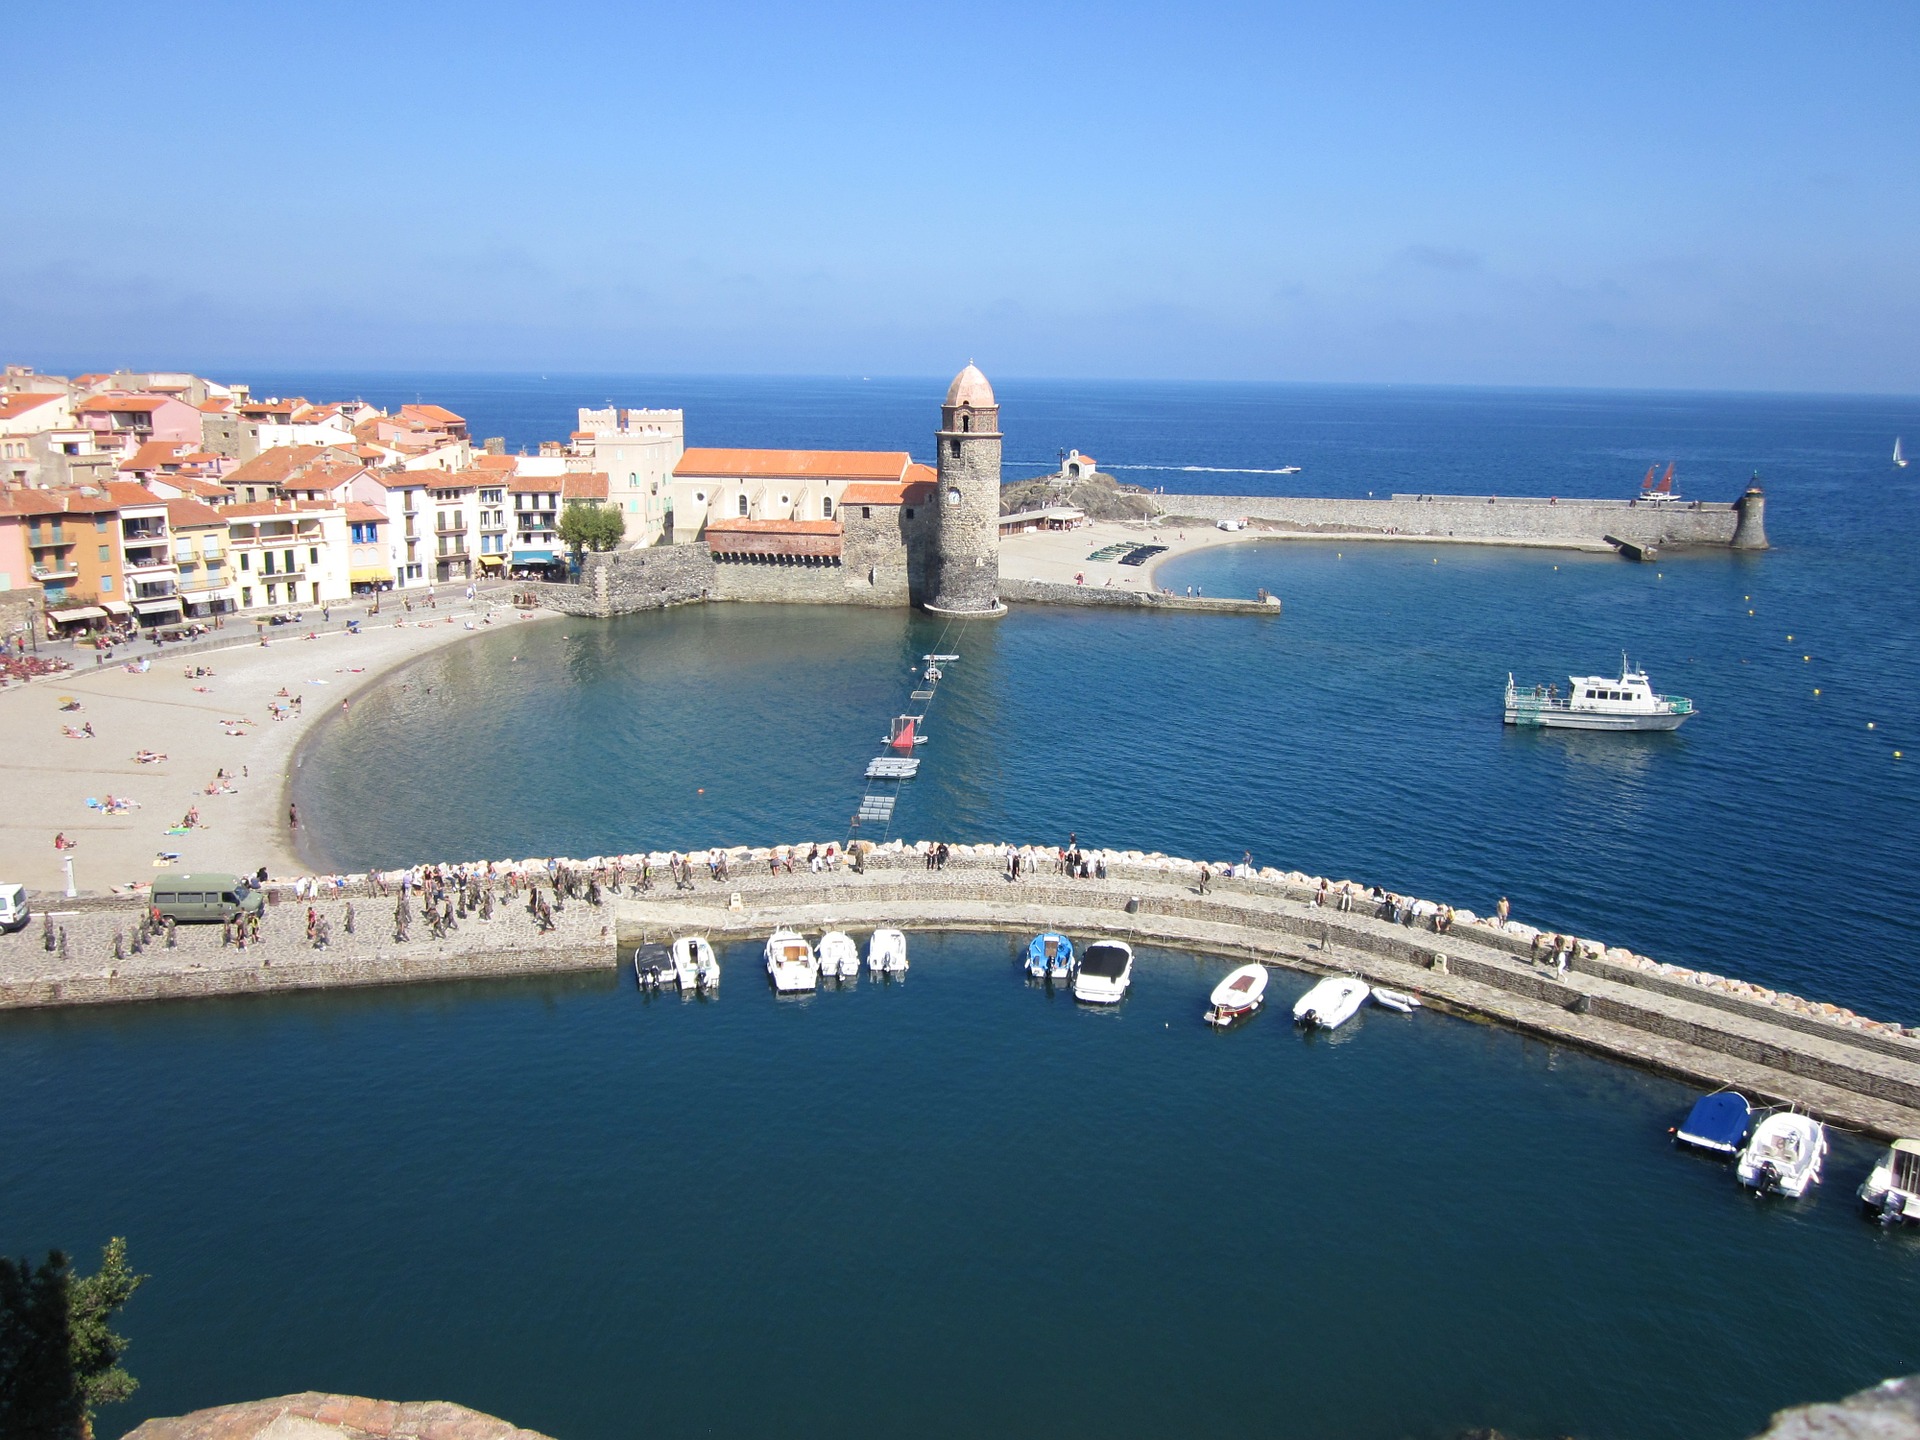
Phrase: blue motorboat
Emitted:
{"points": [[1717, 1123], [1050, 956]]}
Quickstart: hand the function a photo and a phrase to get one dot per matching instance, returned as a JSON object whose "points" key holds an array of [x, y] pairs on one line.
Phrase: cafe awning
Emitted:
{"points": [[157, 607], [83, 612], [533, 557], [116, 607]]}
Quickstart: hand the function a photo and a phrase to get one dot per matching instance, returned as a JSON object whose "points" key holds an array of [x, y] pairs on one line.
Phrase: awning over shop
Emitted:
{"points": [[369, 574], [116, 607], [83, 612], [493, 559], [533, 557], [157, 607]]}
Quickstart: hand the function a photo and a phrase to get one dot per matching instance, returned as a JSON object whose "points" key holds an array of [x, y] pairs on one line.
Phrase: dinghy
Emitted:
{"points": [[1784, 1154], [791, 963], [1050, 956], [887, 952], [1717, 1123], [1395, 1000], [839, 956], [1329, 1004], [1237, 996], [1104, 973], [1892, 1188], [694, 964], [653, 967]]}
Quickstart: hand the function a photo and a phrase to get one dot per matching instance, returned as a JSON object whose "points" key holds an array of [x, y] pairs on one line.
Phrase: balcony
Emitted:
{"points": [[164, 591], [145, 560], [34, 542], [450, 530], [61, 571], [142, 534]]}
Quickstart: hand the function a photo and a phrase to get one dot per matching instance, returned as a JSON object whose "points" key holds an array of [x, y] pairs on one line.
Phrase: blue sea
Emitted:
{"points": [[959, 1205]]}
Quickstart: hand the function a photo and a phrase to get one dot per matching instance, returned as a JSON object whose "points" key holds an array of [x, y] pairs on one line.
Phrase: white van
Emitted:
{"points": [[13, 907]]}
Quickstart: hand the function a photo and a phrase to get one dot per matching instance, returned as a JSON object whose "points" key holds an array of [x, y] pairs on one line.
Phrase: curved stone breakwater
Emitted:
{"points": [[1710, 1029]]}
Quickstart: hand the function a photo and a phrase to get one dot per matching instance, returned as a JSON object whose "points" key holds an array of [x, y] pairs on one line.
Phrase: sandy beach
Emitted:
{"points": [[202, 726], [1061, 555]]}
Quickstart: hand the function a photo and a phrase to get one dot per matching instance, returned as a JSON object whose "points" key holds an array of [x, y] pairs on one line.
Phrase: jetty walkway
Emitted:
{"points": [[1712, 1031]]}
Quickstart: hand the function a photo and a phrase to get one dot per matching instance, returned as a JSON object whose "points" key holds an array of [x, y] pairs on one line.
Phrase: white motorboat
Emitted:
{"points": [[1892, 1188], [653, 967], [791, 962], [1784, 1154], [839, 956], [1395, 1000], [1104, 973], [887, 952], [1597, 702], [1050, 956], [1329, 1004], [1237, 996], [694, 965]]}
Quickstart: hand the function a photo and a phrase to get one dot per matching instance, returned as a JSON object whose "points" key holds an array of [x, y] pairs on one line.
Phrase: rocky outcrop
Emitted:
{"points": [[1100, 496], [334, 1417], [1889, 1411]]}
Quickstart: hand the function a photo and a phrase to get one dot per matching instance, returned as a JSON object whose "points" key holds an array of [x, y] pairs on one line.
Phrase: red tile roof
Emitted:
{"points": [[918, 483], [15, 405], [583, 487], [364, 514], [434, 414], [120, 404], [795, 464], [194, 485], [774, 527], [493, 462], [273, 466], [190, 514], [536, 484]]}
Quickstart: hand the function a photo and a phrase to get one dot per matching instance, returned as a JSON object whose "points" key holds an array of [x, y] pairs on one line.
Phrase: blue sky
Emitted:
{"points": [[1657, 195]]}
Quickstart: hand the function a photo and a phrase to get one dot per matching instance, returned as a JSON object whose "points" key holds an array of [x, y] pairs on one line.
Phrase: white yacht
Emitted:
{"points": [[839, 956], [1330, 1004], [791, 963], [1785, 1154], [887, 952], [694, 964], [1893, 1186], [1105, 972], [1597, 702], [1238, 996]]}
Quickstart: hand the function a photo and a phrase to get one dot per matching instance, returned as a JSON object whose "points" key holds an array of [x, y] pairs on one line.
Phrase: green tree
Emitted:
{"points": [[591, 527], [59, 1356]]}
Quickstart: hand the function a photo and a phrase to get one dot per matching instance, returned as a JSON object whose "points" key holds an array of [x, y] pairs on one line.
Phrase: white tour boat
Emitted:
{"points": [[1330, 1003], [694, 964], [887, 952], [1105, 972], [839, 956], [1395, 1000], [791, 963], [1597, 702], [1237, 996], [1785, 1154], [1893, 1186]]}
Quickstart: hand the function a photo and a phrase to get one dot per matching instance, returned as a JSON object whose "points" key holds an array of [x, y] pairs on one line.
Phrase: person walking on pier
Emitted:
{"points": [[1502, 910], [1206, 878]]}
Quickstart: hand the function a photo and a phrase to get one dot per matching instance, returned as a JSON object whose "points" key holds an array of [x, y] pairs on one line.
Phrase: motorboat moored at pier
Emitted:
{"points": [[1785, 1154], [694, 965], [1330, 1004], [653, 967], [1717, 1123], [887, 952], [1050, 956], [1104, 974], [1597, 702], [1395, 1000], [1238, 996], [791, 962], [1892, 1187], [839, 957]]}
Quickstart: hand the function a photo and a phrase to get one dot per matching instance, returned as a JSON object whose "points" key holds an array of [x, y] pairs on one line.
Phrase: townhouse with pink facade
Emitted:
{"points": [[126, 422]]}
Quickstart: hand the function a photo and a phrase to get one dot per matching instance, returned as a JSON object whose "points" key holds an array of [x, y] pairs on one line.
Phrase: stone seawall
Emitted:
{"points": [[1053, 592], [1582, 523]]}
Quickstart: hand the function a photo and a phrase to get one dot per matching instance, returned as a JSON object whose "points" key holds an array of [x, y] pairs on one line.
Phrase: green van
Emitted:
{"points": [[186, 898]]}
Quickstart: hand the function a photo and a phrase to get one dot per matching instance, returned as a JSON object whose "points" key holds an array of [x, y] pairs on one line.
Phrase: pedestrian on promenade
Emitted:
{"points": [[293, 815], [1502, 910], [1206, 878]]}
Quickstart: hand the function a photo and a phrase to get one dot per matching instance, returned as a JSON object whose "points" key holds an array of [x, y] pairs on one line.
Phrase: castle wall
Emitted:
{"points": [[1478, 517]]}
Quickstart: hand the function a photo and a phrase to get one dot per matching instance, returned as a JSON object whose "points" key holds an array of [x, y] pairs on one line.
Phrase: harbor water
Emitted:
{"points": [[959, 1204]]}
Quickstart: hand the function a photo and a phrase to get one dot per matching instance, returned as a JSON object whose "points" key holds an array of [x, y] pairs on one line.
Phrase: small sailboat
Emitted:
{"points": [[1395, 1000], [839, 956], [1899, 456], [1237, 996], [791, 962], [1329, 1004], [694, 965], [887, 952], [1717, 1123], [1050, 956], [1784, 1154], [1662, 489]]}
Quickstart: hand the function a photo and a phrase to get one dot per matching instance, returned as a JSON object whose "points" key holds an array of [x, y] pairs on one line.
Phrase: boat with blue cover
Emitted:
{"points": [[1717, 1123], [1050, 956]]}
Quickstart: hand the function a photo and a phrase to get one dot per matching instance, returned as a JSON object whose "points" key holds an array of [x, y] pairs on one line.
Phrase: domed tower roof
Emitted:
{"points": [[970, 387]]}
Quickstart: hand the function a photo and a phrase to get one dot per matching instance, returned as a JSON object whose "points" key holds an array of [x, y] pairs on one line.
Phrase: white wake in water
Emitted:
{"points": [[1182, 469]]}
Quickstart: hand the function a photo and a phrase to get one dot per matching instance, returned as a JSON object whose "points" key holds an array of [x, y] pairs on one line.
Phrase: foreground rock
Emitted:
{"points": [[314, 1416], [1889, 1411]]}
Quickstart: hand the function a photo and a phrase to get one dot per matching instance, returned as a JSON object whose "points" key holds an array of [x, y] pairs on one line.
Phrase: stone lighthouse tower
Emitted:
{"points": [[965, 561]]}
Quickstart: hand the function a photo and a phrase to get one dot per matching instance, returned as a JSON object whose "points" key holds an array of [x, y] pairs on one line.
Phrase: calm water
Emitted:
{"points": [[980, 1209]]}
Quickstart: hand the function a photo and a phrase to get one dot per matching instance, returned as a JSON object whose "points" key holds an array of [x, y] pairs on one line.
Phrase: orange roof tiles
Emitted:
{"points": [[536, 484], [273, 466], [774, 527], [493, 462], [434, 414], [364, 514], [16, 405], [195, 485], [190, 514], [584, 487], [918, 481], [795, 464], [112, 404]]}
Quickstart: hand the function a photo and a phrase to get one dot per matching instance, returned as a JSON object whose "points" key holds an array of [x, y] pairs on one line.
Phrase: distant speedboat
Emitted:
{"points": [[1104, 974], [1893, 1186], [887, 952], [1785, 1154], [1237, 996], [791, 962], [1329, 1004], [1717, 1123], [839, 956], [1050, 956], [1597, 702]]}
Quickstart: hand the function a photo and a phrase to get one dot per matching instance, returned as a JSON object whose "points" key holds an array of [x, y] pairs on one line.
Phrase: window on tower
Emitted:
{"points": [[966, 422], [954, 444], [953, 495]]}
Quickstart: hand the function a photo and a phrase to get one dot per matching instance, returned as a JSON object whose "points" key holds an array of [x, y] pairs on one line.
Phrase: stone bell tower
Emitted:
{"points": [[964, 568]]}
